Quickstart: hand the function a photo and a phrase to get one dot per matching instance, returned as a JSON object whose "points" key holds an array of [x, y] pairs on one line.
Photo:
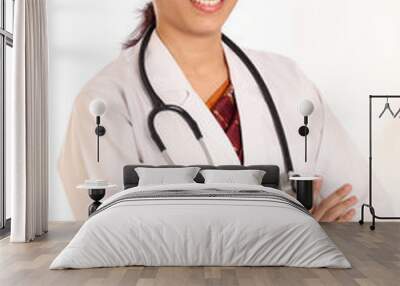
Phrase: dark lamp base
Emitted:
{"points": [[304, 192], [96, 195]]}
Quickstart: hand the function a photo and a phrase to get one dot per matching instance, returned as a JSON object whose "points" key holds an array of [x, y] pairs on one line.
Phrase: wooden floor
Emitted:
{"points": [[375, 257]]}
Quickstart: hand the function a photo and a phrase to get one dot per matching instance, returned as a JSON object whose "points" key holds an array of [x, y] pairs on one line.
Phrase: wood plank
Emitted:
{"points": [[375, 257]]}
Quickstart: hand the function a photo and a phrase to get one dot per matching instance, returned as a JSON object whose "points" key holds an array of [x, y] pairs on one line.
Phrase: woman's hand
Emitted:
{"points": [[336, 207]]}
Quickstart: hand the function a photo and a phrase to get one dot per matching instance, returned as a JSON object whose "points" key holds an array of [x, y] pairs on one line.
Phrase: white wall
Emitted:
{"points": [[350, 48], [84, 35]]}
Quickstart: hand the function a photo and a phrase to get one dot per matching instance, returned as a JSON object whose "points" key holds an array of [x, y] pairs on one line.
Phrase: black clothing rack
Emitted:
{"points": [[370, 204]]}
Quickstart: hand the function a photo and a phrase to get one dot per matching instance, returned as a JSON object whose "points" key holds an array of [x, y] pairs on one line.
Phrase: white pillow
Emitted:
{"points": [[165, 176], [247, 177]]}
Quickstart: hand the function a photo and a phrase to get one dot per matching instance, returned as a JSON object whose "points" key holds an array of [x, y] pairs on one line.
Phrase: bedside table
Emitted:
{"points": [[96, 192], [304, 190]]}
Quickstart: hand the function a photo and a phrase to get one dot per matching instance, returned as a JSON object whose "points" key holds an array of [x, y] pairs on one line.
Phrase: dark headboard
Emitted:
{"points": [[271, 178]]}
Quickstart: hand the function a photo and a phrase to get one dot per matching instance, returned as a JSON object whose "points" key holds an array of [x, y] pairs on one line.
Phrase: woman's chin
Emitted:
{"points": [[204, 27], [205, 32], [208, 19]]}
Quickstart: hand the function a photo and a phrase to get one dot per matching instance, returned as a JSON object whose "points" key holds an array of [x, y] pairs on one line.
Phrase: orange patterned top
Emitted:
{"points": [[223, 106]]}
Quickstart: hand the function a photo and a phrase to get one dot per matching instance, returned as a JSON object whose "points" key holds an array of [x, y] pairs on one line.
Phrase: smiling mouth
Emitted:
{"points": [[208, 6]]}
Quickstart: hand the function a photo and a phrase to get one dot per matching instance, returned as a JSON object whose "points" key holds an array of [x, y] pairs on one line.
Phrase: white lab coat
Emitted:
{"points": [[127, 139]]}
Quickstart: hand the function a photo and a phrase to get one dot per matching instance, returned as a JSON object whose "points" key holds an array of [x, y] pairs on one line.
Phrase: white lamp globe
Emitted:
{"points": [[306, 108], [97, 107]]}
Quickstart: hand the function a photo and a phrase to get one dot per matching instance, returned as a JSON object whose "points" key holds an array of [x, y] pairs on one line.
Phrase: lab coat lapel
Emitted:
{"points": [[260, 144], [173, 87]]}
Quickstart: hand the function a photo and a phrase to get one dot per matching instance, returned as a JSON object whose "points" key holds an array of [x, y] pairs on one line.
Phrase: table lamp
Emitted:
{"points": [[97, 187], [98, 108], [306, 108], [304, 185]]}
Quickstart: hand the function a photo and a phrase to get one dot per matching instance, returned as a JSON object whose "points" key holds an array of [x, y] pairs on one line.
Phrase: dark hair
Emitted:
{"points": [[148, 19]]}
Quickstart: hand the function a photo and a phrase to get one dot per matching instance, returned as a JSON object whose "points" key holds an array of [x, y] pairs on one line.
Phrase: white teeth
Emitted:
{"points": [[207, 2]]}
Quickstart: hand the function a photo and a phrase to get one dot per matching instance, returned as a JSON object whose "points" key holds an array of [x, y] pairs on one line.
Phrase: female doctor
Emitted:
{"points": [[189, 66]]}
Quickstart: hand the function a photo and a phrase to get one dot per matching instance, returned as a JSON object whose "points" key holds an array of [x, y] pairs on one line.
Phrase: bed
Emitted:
{"points": [[201, 224]]}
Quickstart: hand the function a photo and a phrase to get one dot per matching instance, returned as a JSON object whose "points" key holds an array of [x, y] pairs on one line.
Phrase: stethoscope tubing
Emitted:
{"points": [[268, 99], [159, 106]]}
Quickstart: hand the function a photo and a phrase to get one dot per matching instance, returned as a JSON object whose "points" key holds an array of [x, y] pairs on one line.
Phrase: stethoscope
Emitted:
{"points": [[159, 106]]}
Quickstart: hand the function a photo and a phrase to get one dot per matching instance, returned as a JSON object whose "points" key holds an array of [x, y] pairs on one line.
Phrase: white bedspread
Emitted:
{"points": [[203, 231]]}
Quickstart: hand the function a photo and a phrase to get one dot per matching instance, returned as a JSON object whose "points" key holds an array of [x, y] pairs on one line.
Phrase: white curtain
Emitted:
{"points": [[27, 123]]}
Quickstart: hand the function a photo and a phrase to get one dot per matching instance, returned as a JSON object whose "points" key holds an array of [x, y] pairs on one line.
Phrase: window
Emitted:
{"points": [[6, 44]]}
